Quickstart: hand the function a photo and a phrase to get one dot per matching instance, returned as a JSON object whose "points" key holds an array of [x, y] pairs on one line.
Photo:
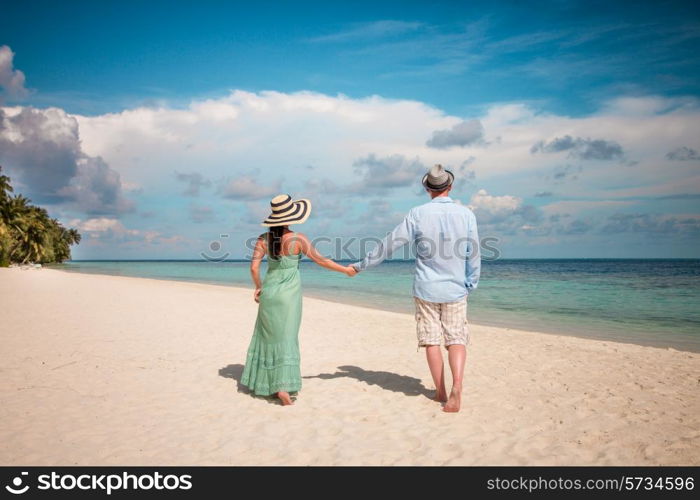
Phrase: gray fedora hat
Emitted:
{"points": [[438, 178], [286, 211]]}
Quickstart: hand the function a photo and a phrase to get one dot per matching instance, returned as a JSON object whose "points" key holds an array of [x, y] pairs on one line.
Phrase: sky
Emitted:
{"points": [[157, 127]]}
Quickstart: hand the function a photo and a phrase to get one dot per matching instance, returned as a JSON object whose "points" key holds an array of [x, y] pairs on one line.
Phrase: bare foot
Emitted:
{"points": [[285, 398], [453, 404], [440, 396]]}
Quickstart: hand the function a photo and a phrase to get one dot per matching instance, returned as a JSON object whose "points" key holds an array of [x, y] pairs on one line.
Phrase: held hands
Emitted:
{"points": [[350, 271], [256, 295]]}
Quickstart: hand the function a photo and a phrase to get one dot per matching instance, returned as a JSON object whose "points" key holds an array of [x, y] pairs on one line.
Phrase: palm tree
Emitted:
{"points": [[28, 233], [73, 237], [30, 245], [5, 244], [5, 186], [62, 240], [6, 240]]}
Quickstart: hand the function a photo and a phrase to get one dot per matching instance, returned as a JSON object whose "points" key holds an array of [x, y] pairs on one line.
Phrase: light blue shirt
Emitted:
{"points": [[448, 261]]}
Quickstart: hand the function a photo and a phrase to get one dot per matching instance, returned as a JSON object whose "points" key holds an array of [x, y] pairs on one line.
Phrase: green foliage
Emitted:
{"points": [[27, 233]]}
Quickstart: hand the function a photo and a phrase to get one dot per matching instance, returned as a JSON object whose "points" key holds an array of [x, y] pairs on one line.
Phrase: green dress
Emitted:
{"points": [[272, 363]]}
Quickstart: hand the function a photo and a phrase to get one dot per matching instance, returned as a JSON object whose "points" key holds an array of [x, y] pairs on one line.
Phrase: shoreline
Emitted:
{"points": [[113, 370], [547, 329]]}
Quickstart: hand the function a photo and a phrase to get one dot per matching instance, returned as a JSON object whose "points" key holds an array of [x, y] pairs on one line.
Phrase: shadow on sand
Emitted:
{"points": [[235, 372], [410, 386]]}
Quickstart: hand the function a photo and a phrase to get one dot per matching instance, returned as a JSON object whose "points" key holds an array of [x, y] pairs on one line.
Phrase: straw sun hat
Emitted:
{"points": [[285, 211]]}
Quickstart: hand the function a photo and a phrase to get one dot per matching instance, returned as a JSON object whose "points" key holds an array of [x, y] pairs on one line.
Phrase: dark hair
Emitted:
{"points": [[274, 240]]}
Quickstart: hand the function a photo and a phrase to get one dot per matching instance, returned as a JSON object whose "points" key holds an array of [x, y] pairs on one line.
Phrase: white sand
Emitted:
{"points": [[99, 370]]}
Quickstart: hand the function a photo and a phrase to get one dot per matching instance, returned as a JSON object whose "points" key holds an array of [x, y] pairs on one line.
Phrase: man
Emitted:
{"points": [[448, 265]]}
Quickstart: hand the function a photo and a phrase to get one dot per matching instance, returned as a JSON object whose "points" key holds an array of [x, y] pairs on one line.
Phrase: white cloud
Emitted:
{"points": [[504, 214], [247, 187], [100, 225], [461, 134], [647, 105], [495, 205], [580, 148], [369, 31], [41, 149], [11, 79], [387, 173], [109, 232], [327, 147], [275, 133]]}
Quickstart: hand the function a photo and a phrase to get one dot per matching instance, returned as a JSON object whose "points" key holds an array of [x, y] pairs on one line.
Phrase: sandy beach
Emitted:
{"points": [[103, 370]]}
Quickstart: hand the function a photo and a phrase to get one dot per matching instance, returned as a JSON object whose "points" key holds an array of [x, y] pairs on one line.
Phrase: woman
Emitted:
{"points": [[272, 363]]}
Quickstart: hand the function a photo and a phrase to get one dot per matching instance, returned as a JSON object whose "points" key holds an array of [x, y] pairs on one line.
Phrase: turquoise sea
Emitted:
{"points": [[650, 302]]}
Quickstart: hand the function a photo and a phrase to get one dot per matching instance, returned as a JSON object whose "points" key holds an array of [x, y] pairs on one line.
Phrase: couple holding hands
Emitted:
{"points": [[444, 276]]}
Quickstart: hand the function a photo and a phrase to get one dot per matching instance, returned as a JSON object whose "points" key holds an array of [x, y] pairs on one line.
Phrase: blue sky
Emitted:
{"points": [[91, 57], [156, 126]]}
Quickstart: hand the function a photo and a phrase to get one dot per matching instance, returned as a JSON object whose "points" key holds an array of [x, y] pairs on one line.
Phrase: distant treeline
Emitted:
{"points": [[27, 233]]}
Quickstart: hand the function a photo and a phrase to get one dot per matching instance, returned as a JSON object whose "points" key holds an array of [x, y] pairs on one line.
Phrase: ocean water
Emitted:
{"points": [[649, 302]]}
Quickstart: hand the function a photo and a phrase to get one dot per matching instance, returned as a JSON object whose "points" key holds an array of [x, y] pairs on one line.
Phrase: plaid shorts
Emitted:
{"points": [[435, 321]]}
